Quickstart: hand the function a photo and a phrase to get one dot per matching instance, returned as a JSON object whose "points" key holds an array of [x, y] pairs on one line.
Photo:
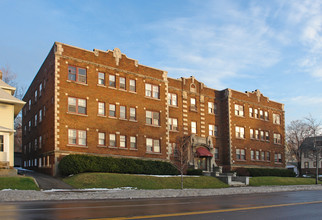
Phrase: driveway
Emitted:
{"points": [[47, 182]]}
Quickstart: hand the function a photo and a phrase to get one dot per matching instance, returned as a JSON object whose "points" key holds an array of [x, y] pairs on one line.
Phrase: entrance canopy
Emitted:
{"points": [[203, 152]]}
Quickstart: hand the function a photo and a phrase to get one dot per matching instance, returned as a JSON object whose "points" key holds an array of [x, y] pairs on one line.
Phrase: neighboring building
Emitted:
{"points": [[9, 109], [103, 103], [309, 151]]}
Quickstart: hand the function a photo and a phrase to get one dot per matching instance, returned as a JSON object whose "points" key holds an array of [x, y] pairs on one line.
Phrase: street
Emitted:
{"points": [[280, 205]]}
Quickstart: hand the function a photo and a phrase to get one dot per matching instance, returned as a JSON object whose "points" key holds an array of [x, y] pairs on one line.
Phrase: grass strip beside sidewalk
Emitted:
{"points": [[280, 181], [21, 183]]}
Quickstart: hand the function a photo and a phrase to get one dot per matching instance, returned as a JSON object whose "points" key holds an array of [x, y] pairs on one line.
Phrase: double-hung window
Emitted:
{"points": [[112, 140], [122, 112], [240, 132], [133, 114], [240, 154], [123, 141], [256, 113], [101, 138], [76, 137], [172, 99], [212, 130], [40, 115], [132, 85], [251, 112], [77, 74], [261, 114], [268, 156], [266, 115], [152, 91], [173, 124], [212, 108], [122, 83], [36, 117], [112, 111], [112, 81], [262, 135], [152, 118], [36, 95], [153, 145], [101, 79], [216, 154], [277, 139], [1, 143], [193, 106], [40, 89], [252, 155], [276, 119], [133, 142], [262, 155], [194, 127], [251, 133], [266, 135], [257, 155], [239, 110], [76, 105], [101, 108]]}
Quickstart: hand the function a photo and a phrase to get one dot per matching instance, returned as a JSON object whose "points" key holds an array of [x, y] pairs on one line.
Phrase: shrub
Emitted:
{"points": [[196, 172], [265, 172], [74, 164]]}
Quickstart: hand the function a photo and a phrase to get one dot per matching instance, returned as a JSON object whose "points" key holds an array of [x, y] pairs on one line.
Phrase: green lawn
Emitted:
{"points": [[272, 180], [22, 183], [112, 180]]}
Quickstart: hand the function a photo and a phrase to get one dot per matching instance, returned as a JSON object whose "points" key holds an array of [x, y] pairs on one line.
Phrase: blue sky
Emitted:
{"points": [[273, 46]]}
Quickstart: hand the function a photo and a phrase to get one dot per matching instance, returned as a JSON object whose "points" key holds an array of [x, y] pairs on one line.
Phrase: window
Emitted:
{"points": [[40, 115], [212, 130], [36, 117], [152, 91], [268, 156], [122, 83], [40, 142], [112, 140], [277, 139], [36, 144], [152, 118], [278, 158], [262, 135], [276, 119], [172, 99], [262, 155], [239, 110], [112, 81], [112, 111], [1, 143], [257, 155], [216, 153], [101, 78], [123, 141], [76, 105], [122, 112], [212, 108], [36, 95], [256, 134], [29, 125], [133, 142], [29, 104], [240, 132], [133, 114], [173, 124], [194, 127], [251, 133], [153, 145], [101, 138], [76, 137], [40, 89], [251, 112], [132, 85], [252, 155], [266, 135], [256, 113], [193, 106], [77, 74], [266, 115], [240, 154], [261, 114], [101, 108], [306, 164]]}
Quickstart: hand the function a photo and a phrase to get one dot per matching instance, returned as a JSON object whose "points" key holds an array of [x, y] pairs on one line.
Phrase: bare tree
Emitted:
{"points": [[296, 133], [179, 156], [315, 152]]}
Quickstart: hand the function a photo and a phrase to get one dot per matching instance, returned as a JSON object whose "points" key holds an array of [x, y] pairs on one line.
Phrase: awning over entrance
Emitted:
{"points": [[203, 152]]}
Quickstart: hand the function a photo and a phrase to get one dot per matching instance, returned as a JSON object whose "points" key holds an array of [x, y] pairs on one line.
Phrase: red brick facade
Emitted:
{"points": [[80, 90]]}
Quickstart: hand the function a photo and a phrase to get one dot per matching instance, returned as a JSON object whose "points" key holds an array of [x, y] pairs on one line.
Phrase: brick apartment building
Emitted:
{"points": [[103, 103]]}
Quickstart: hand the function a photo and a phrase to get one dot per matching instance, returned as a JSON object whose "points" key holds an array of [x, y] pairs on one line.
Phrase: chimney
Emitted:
{"points": [[0, 75]]}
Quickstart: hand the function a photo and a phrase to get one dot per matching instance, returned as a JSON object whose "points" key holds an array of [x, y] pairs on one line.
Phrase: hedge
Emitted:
{"points": [[264, 172], [196, 172], [74, 164]]}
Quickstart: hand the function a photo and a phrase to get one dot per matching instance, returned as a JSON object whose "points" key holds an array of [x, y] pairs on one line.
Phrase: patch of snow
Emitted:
{"points": [[90, 189], [166, 175], [6, 190]]}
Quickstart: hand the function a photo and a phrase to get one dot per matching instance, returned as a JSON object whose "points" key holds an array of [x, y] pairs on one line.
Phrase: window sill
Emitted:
{"points": [[175, 131], [156, 126], [134, 149], [79, 83], [112, 117], [154, 153], [239, 138], [71, 113], [240, 116], [112, 147], [240, 160], [72, 145], [148, 97], [133, 120], [103, 116], [134, 92], [173, 106], [110, 87], [123, 148], [123, 119], [102, 146], [100, 85], [123, 90]]}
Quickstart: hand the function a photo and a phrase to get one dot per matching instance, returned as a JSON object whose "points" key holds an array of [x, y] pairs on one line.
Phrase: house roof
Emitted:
{"points": [[308, 143], [4, 129], [9, 99]]}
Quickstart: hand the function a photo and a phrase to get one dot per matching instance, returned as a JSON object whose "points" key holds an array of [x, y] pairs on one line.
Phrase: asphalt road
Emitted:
{"points": [[282, 205]]}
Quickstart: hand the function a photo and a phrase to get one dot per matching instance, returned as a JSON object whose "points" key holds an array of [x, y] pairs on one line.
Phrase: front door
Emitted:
{"points": [[203, 163]]}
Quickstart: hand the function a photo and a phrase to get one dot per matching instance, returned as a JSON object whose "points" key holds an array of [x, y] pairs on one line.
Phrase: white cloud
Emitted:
{"points": [[306, 100]]}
